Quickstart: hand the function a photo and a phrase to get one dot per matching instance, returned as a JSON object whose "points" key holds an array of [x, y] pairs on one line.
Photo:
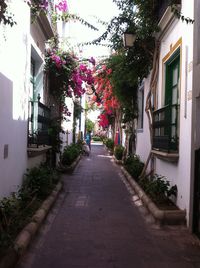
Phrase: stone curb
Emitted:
{"points": [[118, 162], [171, 217], [24, 237]]}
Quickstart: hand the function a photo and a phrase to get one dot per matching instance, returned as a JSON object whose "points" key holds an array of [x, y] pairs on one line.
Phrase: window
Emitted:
{"points": [[32, 123], [39, 114], [166, 119], [140, 107], [172, 68]]}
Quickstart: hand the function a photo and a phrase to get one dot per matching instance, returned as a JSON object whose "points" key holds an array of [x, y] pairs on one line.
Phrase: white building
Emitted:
{"points": [[172, 115], [25, 104]]}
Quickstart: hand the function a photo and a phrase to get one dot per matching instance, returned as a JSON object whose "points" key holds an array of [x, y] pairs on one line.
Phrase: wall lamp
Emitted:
{"points": [[128, 39]]}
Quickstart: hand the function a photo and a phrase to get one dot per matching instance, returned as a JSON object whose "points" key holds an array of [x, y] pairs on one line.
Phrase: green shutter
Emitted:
{"points": [[172, 79], [172, 98]]}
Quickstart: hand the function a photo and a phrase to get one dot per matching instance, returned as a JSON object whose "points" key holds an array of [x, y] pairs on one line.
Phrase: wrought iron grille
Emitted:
{"points": [[165, 128], [40, 135]]}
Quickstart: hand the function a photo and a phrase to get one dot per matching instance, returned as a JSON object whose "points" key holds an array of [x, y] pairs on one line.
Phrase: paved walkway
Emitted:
{"points": [[94, 224]]}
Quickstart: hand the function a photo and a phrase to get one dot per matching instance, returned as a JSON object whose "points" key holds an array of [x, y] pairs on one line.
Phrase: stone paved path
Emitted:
{"points": [[94, 224]]}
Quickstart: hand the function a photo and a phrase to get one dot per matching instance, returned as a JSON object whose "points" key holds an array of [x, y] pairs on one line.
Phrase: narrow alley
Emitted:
{"points": [[94, 224]]}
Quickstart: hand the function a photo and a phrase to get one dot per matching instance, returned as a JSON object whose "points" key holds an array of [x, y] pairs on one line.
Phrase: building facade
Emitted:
{"points": [[26, 105], [170, 146]]}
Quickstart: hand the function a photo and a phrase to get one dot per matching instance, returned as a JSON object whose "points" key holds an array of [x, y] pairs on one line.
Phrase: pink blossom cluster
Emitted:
{"points": [[103, 120], [86, 74], [77, 83], [43, 4], [57, 60], [92, 60], [80, 75], [62, 6]]}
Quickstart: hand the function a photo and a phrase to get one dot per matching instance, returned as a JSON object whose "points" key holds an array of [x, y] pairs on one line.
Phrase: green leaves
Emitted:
{"points": [[5, 17], [158, 188]]}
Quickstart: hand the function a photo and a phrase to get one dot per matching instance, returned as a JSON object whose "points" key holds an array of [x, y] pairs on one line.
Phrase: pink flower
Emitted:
{"points": [[44, 4], [92, 60], [57, 60], [62, 6], [83, 68]]}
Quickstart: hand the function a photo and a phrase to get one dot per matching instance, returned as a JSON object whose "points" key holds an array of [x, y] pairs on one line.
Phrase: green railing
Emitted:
{"points": [[166, 128]]}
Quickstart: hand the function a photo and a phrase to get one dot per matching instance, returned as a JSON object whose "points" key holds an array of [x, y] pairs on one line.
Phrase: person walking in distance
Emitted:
{"points": [[88, 139]]}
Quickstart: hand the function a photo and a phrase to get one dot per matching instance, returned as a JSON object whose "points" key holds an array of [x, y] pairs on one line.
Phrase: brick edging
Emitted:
{"points": [[28, 232]]}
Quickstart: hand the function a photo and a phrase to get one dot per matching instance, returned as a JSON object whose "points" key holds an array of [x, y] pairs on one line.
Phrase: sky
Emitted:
{"points": [[104, 10]]}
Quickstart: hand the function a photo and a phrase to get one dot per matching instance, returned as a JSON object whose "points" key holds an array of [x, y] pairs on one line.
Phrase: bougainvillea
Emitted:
{"points": [[60, 66], [43, 5], [104, 96], [67, 77], [103, 120]]}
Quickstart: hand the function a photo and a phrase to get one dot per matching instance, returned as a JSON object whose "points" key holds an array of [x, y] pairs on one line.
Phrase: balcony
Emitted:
{"points": [[162, 6], [39, 122], [165, 129]]}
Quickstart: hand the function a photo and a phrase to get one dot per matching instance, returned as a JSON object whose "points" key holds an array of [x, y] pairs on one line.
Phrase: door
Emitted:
{"points": [[196, 207]]}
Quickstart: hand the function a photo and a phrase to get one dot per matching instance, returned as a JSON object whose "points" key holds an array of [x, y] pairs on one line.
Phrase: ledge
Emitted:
{"points": [[170, 157], [35, 151], [118, 162], [170, 217], [166, 20]]}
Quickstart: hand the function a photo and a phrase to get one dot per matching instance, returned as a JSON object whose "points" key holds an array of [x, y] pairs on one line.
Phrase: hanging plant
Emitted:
{"points": [[43, 5], [103, 96], [60, 66], [67, 76]]}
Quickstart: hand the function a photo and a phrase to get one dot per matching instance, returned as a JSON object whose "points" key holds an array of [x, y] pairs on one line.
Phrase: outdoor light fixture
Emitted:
{"points": [[128, 39]]}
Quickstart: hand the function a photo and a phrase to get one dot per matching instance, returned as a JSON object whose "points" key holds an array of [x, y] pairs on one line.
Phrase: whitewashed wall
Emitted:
{"points": [[143, 146], [14, 81], [67, 125]]}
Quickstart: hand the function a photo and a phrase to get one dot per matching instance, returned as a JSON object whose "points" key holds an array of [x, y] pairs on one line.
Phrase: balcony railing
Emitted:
{"points": [[165, 128], [40, 135], [161, 7]]}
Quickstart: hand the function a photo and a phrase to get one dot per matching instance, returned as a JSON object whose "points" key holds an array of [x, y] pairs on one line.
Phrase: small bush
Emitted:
{"points": [[134, 166], [118, 152], [38, 181], [17, 209], [158, 188], [96, 138], [71, 152], [109, 144]]}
